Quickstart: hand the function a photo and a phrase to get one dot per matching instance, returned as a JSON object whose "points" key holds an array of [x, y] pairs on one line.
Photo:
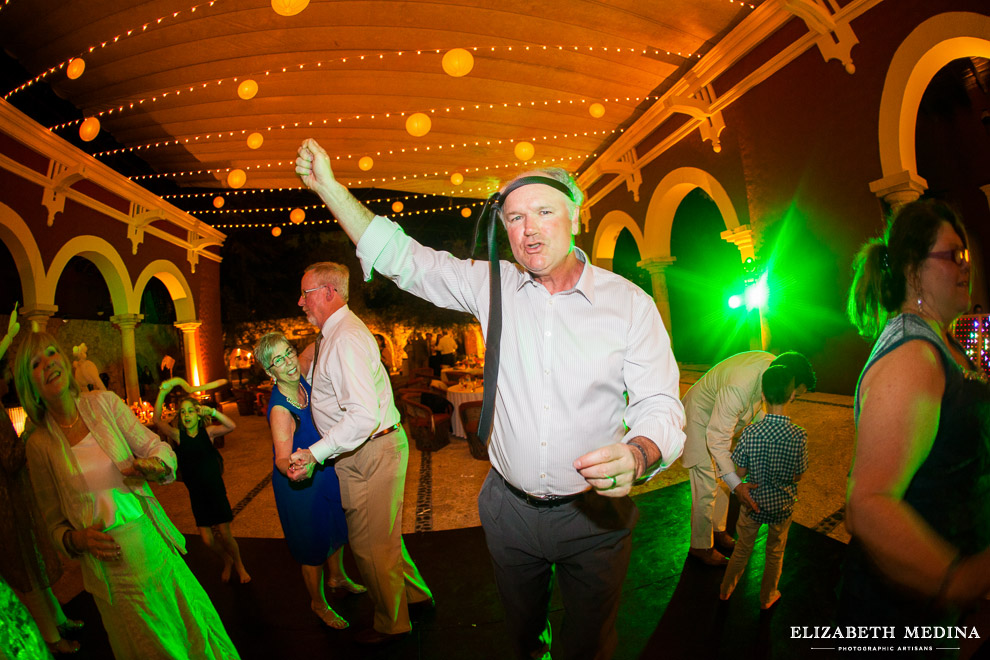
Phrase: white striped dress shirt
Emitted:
{"points": [[567, 360]]}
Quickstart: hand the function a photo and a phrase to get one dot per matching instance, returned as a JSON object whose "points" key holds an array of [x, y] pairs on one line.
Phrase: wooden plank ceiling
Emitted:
{"points": [[350, 72]]}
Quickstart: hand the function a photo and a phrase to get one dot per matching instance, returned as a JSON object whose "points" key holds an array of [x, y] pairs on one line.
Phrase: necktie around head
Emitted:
{"points": [[493, 338]]}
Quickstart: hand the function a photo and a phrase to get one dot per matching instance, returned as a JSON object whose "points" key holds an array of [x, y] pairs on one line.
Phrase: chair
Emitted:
{"points": [[470, 412], [428, 415]]}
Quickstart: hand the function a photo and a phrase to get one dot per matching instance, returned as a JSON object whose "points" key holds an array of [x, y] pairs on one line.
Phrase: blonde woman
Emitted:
{"points": [[90, 461]]}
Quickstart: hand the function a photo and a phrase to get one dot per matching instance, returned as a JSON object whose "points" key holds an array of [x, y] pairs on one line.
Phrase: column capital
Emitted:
{"points": [[188, 327], [38, 313], [656, 264], [123, 321], [900, 188], [743, 238]]}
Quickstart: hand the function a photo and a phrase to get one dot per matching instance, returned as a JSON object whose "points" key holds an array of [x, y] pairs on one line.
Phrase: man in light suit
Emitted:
{"points": [[717, 407]]}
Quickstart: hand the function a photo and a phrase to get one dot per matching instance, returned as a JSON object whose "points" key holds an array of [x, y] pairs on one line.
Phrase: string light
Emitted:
{"points": [[390, 152], [129, 104], [406, 177], [103, 44], [270, 225]]}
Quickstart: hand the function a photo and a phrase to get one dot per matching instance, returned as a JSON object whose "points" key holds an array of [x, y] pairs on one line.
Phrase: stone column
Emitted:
{"points": [[899, 189], [126, 324], [759, 332], [189, 346], [656, 267]]}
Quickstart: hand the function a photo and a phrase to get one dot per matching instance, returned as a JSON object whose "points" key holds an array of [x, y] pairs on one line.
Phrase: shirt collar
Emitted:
{"points": [[333, 320], [770, 417], [585, 284]]}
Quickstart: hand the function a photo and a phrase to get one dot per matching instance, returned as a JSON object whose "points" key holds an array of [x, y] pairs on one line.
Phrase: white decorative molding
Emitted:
{"points": [[141, 217], [69, 164], [628, 170], [744, 239], [762, 23], [61, 176], [699, 107], [835, 37]]}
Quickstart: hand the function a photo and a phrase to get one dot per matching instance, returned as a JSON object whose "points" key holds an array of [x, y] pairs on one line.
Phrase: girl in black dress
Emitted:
{"points": [[201, 467]]}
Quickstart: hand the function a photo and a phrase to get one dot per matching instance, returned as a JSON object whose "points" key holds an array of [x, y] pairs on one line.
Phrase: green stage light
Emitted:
{"points": [[757, 294], [735, 301]]}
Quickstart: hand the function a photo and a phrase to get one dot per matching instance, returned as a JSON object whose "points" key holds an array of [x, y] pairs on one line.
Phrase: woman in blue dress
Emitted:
{"points": [[310, 511]]}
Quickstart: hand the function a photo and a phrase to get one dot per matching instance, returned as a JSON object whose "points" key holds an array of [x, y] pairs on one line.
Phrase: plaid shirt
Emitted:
{"points": [[774, 451]]}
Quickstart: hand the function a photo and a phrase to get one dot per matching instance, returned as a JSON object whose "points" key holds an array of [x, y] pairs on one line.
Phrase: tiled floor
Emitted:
{"points": [[442, 487]]}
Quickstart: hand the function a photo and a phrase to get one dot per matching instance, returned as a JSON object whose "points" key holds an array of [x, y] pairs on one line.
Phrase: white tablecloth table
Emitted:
{"points": [[458, 394], [476, 372]]}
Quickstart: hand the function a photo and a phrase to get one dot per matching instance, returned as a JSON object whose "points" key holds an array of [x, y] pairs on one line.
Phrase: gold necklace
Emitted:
{"points": [[67, 426]]}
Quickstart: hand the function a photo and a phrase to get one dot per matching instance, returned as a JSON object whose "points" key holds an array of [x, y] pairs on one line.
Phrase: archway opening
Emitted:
{"points": [[625, 260], [952, 142], [157, 337], [10, 294], [85, 307], [707, 272]]}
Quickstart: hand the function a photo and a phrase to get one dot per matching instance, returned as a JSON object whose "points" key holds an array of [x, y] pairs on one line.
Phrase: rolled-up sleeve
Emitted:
{"points": [[652, 384]]}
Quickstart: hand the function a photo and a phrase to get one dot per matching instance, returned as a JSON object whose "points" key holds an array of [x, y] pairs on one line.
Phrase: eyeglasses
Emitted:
{"points": [[279, 360], [306, 292], [959, 256]]}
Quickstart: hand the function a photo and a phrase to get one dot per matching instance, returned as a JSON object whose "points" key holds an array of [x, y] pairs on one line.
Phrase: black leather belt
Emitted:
{"points": [[545, 501], [394, 427]]}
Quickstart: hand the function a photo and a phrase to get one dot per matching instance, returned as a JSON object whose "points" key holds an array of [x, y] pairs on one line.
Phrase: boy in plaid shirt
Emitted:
{"points": [[774, 453]]}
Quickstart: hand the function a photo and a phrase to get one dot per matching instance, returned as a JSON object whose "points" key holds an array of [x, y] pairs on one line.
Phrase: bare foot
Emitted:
{"points": [[243, 574], [225, 575]]}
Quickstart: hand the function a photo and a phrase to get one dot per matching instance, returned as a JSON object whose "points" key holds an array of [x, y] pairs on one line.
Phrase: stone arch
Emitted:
{"points": [[668, 195], [107, 261], [603, 247], [18, 238], [174, 281], [928, 48]]}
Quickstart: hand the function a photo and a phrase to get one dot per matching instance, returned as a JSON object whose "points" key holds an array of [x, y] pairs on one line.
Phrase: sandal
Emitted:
{"points": [[63, 647], [331, 618], [347, 585], [70, 626]]}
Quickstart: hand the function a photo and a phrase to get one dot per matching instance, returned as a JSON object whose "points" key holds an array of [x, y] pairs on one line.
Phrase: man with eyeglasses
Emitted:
{"points": [[354, 412], [586, 401]]}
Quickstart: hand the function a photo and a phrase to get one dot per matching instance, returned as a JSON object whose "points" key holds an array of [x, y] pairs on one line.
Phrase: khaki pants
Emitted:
{"points": [[709, 504], [372, 481], [772, 566]]}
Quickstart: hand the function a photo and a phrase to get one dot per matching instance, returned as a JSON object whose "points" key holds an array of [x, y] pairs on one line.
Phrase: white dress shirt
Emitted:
{"points": [[352, 395], [568, 360], [723, 401]]}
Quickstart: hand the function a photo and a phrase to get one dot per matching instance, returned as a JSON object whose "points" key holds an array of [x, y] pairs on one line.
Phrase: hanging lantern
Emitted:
{"points": [[397, 207], [247, 89], [89, 129], [366, 163], [457, 178], [596, 110], [255, 140], [289, 7], [297, 216], [457, 62], [524, 150], [236, 178], [76, 67], [276, 231], [466, 212], [418, 124], [218, 202]]}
